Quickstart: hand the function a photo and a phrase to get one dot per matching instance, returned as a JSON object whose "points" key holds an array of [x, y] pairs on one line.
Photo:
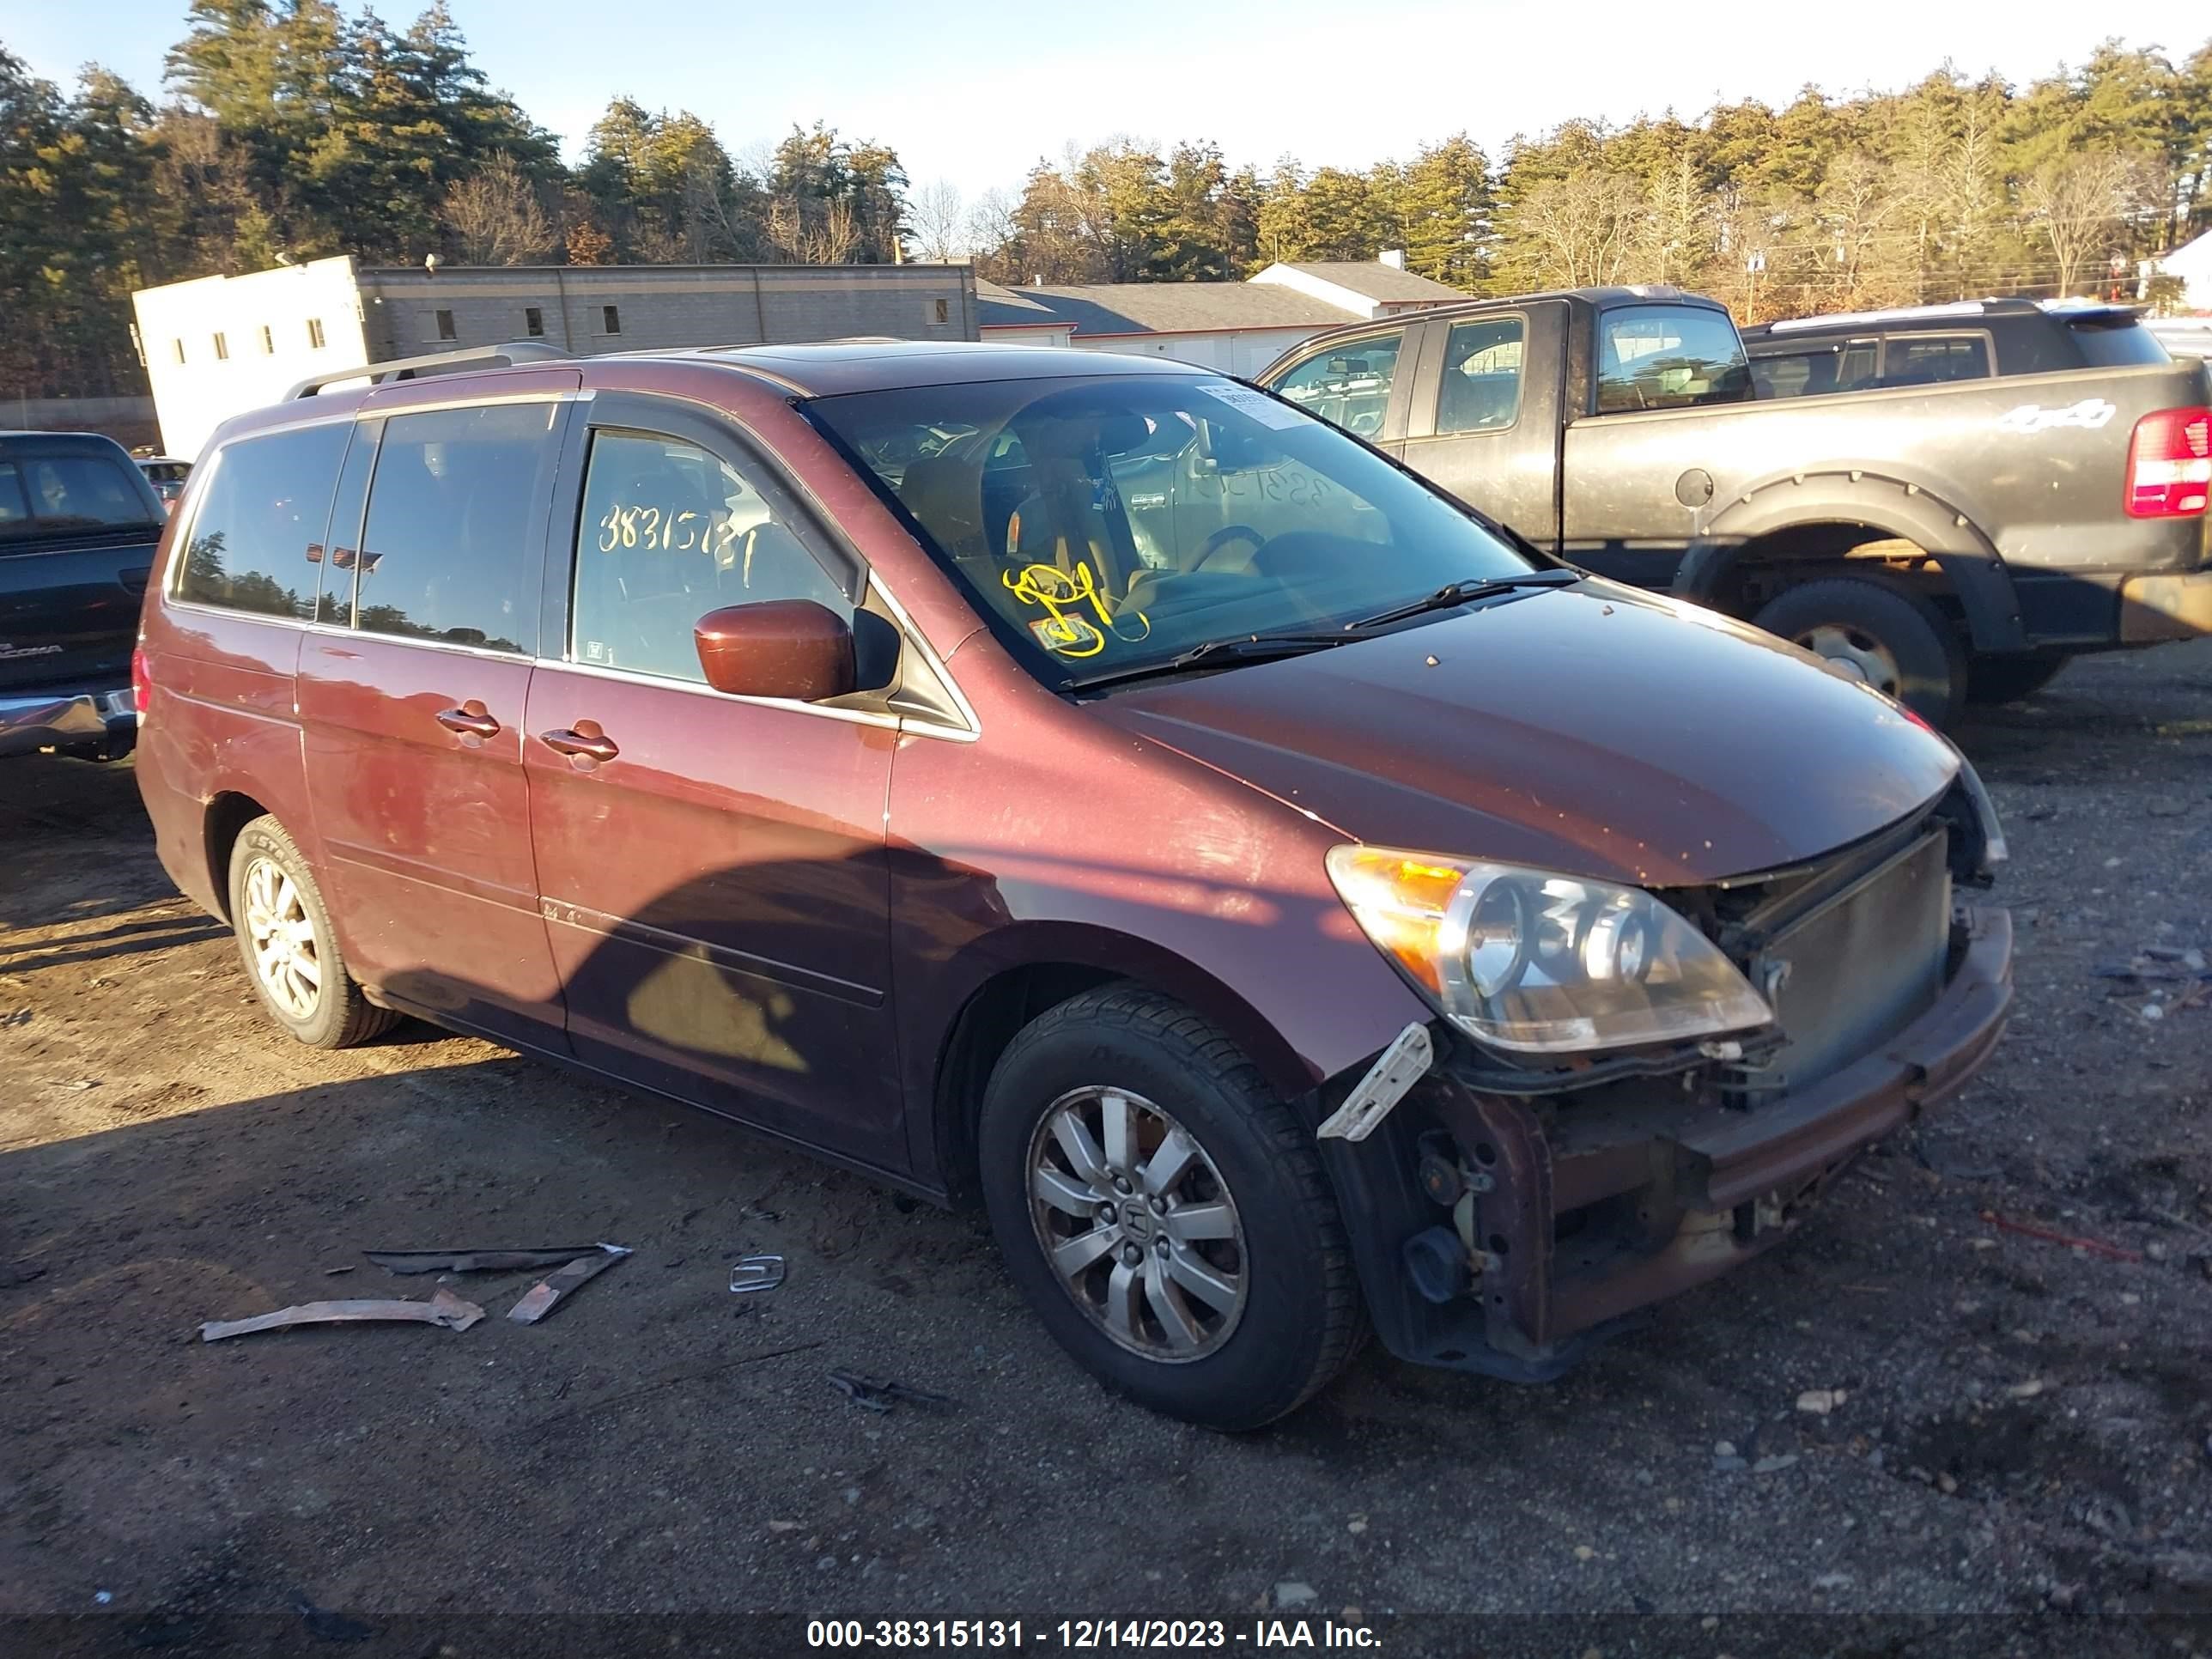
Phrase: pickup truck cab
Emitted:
{"points": [[78, 525], [1939, 541], [1931, 345]]}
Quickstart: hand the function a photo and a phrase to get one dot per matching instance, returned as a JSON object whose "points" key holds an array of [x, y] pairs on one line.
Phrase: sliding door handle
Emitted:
{"points": [[585, 742], [470, 719]]}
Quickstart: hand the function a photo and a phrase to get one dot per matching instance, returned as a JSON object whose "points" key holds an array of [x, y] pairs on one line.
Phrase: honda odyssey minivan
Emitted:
{"points": [[1294, 905]]}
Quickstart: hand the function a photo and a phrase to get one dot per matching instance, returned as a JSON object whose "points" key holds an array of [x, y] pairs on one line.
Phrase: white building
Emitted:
{"points": [[1238, 328], [2192, 262], [219, 345]]}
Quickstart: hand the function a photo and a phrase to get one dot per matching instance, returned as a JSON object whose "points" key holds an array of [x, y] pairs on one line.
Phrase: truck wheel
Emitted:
{"points": [[1163, 1213], [1893, 640], [289, 948], [2007, 679]]}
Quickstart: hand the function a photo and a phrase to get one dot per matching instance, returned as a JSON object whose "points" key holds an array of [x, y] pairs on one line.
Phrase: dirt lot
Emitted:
{"points": [[2023, 1430]]}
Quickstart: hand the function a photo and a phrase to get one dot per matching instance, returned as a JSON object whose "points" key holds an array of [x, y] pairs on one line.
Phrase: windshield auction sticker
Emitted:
{"points": [[1258, 404]]}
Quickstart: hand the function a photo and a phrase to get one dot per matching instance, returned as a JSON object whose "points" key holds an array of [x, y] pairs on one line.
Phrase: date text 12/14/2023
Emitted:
{"points": [[1083, 1635]]}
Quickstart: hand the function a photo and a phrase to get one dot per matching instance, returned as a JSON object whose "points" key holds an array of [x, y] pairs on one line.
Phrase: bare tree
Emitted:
{"points": [[786, 229], [2079, 204], [496, 213], [939, 218], [1579, 231], [1673, 233], [836, 235], [1864, 252]]}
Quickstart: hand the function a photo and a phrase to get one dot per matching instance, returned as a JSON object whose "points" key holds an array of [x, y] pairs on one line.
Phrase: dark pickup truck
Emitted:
{"points": [[78, 523], [1941, 541]]}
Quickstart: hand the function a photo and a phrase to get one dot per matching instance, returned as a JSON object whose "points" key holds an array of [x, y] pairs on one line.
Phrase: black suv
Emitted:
{"points": [[1926, 345], [78, 525]]}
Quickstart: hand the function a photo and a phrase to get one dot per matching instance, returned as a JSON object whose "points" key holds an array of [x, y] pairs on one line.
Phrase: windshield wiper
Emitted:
{"points": [[1244, 647], [1463, 593]]}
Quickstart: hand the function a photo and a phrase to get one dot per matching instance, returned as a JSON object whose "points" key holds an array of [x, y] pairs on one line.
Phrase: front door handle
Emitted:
{"points": [[470, 719], [585, 740]]}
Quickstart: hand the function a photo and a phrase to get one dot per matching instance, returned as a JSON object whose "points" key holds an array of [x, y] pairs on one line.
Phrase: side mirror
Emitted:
{"points": [[791, 648]]}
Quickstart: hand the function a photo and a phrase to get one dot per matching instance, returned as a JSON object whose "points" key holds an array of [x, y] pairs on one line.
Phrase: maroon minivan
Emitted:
{"points": [[1293, 903]]}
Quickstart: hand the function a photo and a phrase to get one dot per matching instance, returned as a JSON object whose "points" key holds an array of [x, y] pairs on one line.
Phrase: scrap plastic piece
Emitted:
{"points": [[444, 1308], [755, 1273], [547, 1294], [879, 1393], [475, 1261]]}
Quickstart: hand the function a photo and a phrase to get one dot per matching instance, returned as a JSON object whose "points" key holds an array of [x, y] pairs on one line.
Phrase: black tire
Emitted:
{"points": [[2008, 679], [1930, 665], [1301, 1318], [341, 1015]]}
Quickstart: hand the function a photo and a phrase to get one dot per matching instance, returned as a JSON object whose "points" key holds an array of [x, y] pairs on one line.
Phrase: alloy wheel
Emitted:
{"points": [[285, 956], [1138, 1224]]}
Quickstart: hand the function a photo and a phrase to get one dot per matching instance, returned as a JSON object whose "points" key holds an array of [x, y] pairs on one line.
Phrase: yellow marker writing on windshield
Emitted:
{"points": [[1056, 590]]}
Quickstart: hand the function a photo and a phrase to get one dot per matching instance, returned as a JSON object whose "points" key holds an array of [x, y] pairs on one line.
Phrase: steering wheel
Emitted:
{"points": [[1221, 539]]}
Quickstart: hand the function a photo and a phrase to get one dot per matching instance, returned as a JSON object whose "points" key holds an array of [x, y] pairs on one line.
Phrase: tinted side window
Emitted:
{"points": [[255, 540], [445, 555], [1348, 386], [1928, 359], [669, 533], [79, 492], [1481, 388], [1668, 357], [1815, 370]]}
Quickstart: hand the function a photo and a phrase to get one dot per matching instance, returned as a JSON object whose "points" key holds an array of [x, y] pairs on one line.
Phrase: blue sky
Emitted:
{"points": [[976, 94]]}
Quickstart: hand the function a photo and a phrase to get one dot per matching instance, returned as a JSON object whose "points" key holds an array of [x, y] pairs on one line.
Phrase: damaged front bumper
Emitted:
{"points": [[1507, 1235]]}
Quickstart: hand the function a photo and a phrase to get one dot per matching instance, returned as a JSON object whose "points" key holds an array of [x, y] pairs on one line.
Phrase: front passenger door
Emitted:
{"points": [[712, 868], [1358, 383]]}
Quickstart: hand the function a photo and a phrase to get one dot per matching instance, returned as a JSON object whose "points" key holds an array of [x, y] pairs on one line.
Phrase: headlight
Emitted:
{"points": [[1543, 963]]}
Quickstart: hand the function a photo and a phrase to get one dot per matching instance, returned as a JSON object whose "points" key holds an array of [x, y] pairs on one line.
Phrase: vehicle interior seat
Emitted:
{"points": [[945, 494], [1066, 519], [1477, 403]]}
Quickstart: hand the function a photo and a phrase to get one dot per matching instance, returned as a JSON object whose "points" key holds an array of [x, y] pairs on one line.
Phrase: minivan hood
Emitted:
{"points": [[1594, 730]]}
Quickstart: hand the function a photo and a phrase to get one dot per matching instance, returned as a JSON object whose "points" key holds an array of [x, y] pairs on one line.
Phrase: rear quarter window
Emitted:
{"points": [[2128, 345], [256, 539]]}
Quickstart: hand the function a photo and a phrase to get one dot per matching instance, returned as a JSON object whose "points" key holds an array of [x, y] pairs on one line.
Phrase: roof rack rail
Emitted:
{"points": [[406, 368]]}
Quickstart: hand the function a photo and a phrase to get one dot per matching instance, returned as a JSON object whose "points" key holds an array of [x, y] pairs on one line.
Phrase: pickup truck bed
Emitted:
{"points": [[78, 527]]}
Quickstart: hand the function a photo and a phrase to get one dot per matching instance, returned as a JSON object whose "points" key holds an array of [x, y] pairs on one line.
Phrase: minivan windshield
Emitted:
{"points": [[1108, 524]]}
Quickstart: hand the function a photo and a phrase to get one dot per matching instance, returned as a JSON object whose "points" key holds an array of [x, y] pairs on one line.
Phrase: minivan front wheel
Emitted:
{"points": [[288, 946], [1166, 1215]]}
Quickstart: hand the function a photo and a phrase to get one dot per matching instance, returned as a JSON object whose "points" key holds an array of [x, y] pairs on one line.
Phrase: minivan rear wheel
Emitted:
{"points": [[1166, 1215], [1871, 631], [288, 946]]}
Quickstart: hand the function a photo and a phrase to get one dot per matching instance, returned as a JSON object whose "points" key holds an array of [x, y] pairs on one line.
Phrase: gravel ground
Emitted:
{"points": [[2020, 1426]]}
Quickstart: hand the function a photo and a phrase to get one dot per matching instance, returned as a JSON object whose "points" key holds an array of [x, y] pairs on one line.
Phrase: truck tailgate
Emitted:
{"points": [[69, 611]]}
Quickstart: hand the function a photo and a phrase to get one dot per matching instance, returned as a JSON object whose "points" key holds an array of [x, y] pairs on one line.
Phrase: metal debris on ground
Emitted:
{"points": [[755, 1273], [444, 1308], [547, 1294], [2095, 1246], [328, 1625], [477, 1261], [881, 1394]]}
